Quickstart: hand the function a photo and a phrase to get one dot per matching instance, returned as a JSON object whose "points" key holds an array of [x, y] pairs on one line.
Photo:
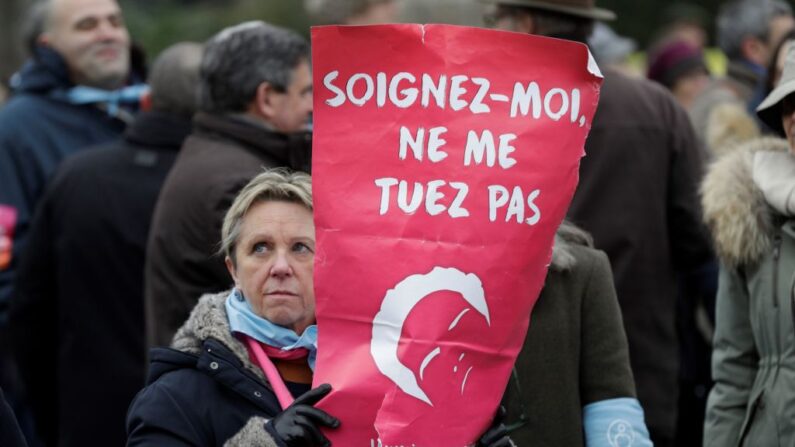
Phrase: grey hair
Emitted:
{"points": [[740, 19], [328, 12], [174, 79], [280, 184], [240, 58], [35, 23]]}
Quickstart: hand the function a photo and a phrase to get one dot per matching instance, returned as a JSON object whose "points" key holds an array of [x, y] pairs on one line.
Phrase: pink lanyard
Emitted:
{"points": [[275, 379]]}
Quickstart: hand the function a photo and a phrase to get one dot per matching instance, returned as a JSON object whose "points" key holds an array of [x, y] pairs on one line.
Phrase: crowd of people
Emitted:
{"points": [[148, 206]]}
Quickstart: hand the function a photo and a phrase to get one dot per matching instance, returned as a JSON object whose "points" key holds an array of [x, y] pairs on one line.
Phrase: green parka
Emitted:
{"points": [[753, 365]]}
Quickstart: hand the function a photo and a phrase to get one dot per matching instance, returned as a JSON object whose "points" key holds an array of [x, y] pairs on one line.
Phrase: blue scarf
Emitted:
{"points": [[112, 98], [243, 320]]}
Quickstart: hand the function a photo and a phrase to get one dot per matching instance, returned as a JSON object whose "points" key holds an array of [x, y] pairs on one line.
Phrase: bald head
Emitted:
{"points": [[91, 37], [174, 79]]}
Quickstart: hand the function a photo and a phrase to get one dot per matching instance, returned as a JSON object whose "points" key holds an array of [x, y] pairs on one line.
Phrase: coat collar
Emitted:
{"points": [[207, 321], [741, 222], [746, 75], [293, 150], [218, 362], [47, 71], [43, 73], [158, 130]]}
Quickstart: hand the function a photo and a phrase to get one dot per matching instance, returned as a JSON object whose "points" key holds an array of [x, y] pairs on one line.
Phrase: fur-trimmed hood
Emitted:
{"points": [[741, 221], [209, 320], [729, 125]]}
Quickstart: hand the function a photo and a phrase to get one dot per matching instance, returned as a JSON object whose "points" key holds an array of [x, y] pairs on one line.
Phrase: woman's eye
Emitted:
{"points": [[301, 248], [259, 247]]}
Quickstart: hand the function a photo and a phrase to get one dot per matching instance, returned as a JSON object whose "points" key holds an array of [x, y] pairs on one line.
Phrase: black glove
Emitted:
{"points": [[297, 425], [497, 434]]}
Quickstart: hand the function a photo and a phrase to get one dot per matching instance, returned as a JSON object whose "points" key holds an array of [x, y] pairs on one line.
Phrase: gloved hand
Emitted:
{"points": [[497, 435], [297, 425]]}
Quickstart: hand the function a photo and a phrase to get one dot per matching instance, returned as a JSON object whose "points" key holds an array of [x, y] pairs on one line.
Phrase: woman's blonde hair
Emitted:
{"points": [[272, 185]]}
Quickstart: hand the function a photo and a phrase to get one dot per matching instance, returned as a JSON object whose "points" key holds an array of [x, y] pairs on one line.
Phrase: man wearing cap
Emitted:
{"points": [[679, 66], [749, 203], [637, 197]]}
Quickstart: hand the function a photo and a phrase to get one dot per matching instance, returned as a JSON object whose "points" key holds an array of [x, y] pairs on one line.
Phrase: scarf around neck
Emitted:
{"points": [[243, 320]]}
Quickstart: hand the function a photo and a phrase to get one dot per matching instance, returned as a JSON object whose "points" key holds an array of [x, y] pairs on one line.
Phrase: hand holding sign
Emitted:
{"points": [[497, 436], [444, 160], [299, 424]]}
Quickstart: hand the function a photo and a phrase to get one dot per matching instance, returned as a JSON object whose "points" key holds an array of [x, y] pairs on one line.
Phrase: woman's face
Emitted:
{"points": [[689, 87], [274, 260], [788, 119]]}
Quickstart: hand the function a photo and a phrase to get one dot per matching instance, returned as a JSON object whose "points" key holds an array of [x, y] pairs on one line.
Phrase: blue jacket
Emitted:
{"points": [[37, 131]]}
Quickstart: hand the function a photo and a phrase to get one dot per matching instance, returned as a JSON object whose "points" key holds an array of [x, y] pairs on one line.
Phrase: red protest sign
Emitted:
{"points": [[444, 159]]}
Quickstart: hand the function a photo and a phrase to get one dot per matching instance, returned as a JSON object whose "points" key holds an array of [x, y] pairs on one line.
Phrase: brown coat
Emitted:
{"points": [[638, 198], [575, 352], [216, 161]]}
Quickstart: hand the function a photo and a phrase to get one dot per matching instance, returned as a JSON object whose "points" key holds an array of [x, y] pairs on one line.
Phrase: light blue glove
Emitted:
{"points": [[615, 423]]}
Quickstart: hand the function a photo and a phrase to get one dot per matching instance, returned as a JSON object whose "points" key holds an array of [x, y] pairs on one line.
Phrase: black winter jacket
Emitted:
{"points": [[205, 391], [77, 318]]}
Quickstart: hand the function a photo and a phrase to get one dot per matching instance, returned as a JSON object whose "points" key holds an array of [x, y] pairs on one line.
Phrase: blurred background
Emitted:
{"points": [[157, 23]]}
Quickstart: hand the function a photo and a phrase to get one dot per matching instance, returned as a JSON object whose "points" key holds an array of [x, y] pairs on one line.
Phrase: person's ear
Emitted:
{"points": [[264, 100], [525, 23], [753, 49], [230, 265], [43, 39]]}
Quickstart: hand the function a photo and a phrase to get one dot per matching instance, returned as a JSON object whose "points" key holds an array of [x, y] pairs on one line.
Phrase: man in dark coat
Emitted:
{"points": [[70, 95], [255, 101], [638, 198], [78, 317], [76, 90]]}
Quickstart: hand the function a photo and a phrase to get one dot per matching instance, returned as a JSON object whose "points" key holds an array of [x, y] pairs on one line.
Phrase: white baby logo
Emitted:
{"points": [[395, 309], [620, 434]]}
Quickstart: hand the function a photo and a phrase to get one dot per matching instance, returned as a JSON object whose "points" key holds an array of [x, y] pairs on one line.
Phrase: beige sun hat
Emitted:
{"points": [[769, 111], [579, 8]]}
